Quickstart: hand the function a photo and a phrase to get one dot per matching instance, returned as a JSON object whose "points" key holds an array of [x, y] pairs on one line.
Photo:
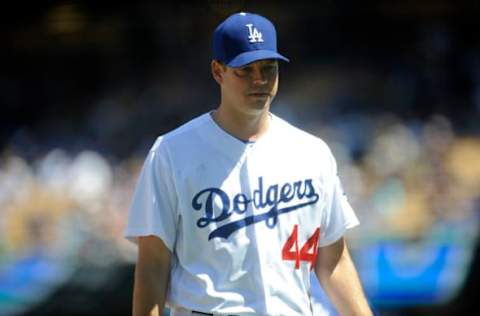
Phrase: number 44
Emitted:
{"points": [[307, 253]]}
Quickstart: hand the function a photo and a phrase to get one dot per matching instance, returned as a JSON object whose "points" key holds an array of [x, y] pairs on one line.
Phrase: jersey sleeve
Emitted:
{"points": [[338, 215], [153, 207]]}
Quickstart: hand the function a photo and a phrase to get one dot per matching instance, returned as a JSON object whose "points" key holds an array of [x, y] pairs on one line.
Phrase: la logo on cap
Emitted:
{"points": [[254, 36]]}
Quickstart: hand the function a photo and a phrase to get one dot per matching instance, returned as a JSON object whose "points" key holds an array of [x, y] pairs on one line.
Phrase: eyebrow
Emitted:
{"points": [[270, 62]]}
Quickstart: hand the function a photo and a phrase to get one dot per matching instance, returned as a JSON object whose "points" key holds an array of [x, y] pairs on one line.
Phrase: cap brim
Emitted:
{"points": [[251, 56]]}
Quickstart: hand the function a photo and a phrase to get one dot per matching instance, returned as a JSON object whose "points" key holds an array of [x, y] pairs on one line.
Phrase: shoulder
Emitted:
{"points": [[184, 133], [294, 135], [187, 129], [304, 146], [167, 146]]}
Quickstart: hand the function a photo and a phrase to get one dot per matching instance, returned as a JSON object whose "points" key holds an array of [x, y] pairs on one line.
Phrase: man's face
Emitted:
{"points": [[250, 88]]}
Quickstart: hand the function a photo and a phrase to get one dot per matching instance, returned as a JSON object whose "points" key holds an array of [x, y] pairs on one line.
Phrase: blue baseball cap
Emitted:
{"points": [[244, 38]]}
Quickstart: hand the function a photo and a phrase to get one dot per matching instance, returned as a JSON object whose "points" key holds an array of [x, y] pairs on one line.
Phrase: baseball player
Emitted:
{"points": [[234, 209]]}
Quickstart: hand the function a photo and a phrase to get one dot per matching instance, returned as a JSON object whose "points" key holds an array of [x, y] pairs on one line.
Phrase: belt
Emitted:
{"points": [[201, 313], [180, 311]]}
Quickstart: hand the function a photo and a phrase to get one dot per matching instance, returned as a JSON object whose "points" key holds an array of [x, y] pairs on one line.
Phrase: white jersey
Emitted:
{"points": [[243, 220]]}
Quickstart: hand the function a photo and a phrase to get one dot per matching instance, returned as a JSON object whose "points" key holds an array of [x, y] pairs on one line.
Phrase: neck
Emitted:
{"points": [[245, 126]]}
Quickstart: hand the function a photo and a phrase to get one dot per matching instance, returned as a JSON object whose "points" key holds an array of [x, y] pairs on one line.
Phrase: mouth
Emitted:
{"points": [[259, 94]]}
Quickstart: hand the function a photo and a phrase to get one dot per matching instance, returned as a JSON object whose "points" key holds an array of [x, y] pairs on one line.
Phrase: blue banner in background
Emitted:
{"points": [[397, 273]]}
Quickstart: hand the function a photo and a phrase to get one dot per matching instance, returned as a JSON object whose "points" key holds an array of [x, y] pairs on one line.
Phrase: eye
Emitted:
{"points": [[243, 71], [270, 69]]}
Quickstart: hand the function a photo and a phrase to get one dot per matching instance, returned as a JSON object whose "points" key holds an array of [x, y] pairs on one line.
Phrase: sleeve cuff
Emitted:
{"points": [[339, 234], [133, 234]]}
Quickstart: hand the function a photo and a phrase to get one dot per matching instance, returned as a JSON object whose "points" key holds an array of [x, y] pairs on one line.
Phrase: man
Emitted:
{"points": [[235, 208]]}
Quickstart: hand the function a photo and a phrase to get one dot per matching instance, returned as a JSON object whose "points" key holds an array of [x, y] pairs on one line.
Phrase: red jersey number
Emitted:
{"points": [[307, 253]]}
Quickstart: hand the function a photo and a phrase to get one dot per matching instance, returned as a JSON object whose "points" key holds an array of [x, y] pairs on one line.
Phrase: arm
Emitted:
{"points": [[152, 273], [337, 275]]}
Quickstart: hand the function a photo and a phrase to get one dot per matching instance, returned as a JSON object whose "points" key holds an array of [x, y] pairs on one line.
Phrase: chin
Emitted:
{"points": [[259, 104]]}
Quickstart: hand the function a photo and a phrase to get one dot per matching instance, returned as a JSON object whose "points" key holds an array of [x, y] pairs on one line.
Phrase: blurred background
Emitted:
{"points": [[87, 86]]}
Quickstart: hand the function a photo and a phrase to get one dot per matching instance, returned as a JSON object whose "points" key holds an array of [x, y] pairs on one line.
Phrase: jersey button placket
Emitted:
{"points": [[259, 228]]}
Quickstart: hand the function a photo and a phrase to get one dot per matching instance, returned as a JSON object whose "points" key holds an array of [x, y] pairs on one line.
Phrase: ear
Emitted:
{"points": [[217, 71]]}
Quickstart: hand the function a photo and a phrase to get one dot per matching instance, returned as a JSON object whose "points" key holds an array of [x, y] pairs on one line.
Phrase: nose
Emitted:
{"points": [[258, 77]]}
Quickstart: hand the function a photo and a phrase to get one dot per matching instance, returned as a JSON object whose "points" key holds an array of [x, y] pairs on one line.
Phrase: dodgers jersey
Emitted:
{"points": [[243, 220]]}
